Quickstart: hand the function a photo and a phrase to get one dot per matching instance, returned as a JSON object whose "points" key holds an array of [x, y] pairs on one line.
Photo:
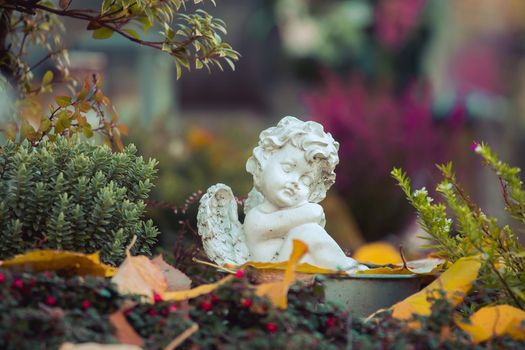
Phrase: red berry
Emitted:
{"points": [[157, 297], [214, 298], [239, 273], [152, 312], [206, 306], [48, 274], [51, 301], [86, 304], [18, 283], [2, 277], [271, 327], [247, 303], [173, 308], [331, 321]]}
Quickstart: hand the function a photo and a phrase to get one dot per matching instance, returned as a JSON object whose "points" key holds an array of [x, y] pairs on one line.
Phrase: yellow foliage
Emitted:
{"points": [[420, 267], [195, 292], [378, 253], [277, 292], [493, 321], [283, 265], [455, 283], [53, 260]]}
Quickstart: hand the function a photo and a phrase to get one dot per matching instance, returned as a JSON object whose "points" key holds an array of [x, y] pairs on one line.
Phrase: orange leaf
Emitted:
{"points": [[455, 283], [123, 330], [277, 292], [175, 278], [84, 106], [139, 275], [492, 321], [52, 260], [123, 129], [378, 253]]}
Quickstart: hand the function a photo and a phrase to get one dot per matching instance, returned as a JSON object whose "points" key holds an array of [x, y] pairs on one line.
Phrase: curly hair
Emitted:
{"points": [[310, 137]]}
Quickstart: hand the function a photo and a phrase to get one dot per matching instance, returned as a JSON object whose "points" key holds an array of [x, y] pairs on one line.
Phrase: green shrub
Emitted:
{"points": [[75, 196], [473, 232]]}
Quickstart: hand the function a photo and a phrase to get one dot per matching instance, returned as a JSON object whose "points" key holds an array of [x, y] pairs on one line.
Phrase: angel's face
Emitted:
{"points": [[286, 177]]}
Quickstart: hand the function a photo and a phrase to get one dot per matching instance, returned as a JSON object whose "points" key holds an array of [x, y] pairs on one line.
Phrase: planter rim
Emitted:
{"points": [[379, 276]]}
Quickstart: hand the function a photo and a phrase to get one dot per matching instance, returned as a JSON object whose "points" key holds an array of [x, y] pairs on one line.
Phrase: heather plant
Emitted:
{"points": [[378, 127], [74, 196], [474, 232]]}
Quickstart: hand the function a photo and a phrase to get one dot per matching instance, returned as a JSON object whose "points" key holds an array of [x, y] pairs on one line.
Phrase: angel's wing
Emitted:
{"points": [[219, 227], [254, 199]]}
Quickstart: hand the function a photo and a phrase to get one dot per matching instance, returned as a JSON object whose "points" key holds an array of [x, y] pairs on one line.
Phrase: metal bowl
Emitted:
{"points": [[364, 294]]}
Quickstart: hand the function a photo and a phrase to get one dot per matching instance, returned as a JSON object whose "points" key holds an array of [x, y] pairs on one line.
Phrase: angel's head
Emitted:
{"points": [[294, 162]]}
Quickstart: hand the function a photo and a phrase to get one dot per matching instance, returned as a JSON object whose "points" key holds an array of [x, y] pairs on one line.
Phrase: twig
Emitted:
{"points": [[128, 248], [182, 337], [45, 58], [403, 257], [511, 293], [213, 265], [23, 42]]}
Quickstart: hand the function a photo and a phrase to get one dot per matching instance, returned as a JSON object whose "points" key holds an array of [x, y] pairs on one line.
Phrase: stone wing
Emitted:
{"points": [[219, 227]]}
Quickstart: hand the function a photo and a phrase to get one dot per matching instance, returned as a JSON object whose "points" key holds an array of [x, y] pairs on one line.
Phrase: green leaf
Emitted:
{"points": [[179, 70], [48, 78], [102, 33], [88, 132], [132, 33], [63, 122], [63, 101], [146, 23], [45, 125], [198, 63], [230, 63]]}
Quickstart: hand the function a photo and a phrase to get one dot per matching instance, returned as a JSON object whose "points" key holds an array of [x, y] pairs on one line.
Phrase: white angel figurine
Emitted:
{"points": [[292, 167]]}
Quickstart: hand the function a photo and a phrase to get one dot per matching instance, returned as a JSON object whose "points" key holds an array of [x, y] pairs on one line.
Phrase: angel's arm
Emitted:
{"points": [[277, 224]]}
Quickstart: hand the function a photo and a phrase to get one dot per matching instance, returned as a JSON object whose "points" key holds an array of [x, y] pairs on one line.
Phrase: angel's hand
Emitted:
{"points": [[307, 213]]}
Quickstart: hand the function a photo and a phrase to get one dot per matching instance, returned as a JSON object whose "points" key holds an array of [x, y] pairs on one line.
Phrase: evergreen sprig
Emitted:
{"points": [[74, 196], [474, 231]]}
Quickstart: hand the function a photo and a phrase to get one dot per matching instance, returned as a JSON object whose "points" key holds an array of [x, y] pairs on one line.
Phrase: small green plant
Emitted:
{"points": [[74, 196], [474, 232]]}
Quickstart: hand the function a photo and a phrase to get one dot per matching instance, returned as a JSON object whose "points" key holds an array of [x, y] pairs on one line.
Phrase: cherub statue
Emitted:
{"points": [[292, 167]]}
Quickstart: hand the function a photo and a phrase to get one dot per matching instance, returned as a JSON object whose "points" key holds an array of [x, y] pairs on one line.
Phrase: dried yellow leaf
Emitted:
{"points": [[303, 267], [195, 292], [54, 260], [455, 283], [419, 267], [277, 292], [492, 321]]}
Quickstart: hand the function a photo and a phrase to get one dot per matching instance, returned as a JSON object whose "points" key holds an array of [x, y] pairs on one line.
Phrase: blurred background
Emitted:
{"points": [[404, 83]]}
